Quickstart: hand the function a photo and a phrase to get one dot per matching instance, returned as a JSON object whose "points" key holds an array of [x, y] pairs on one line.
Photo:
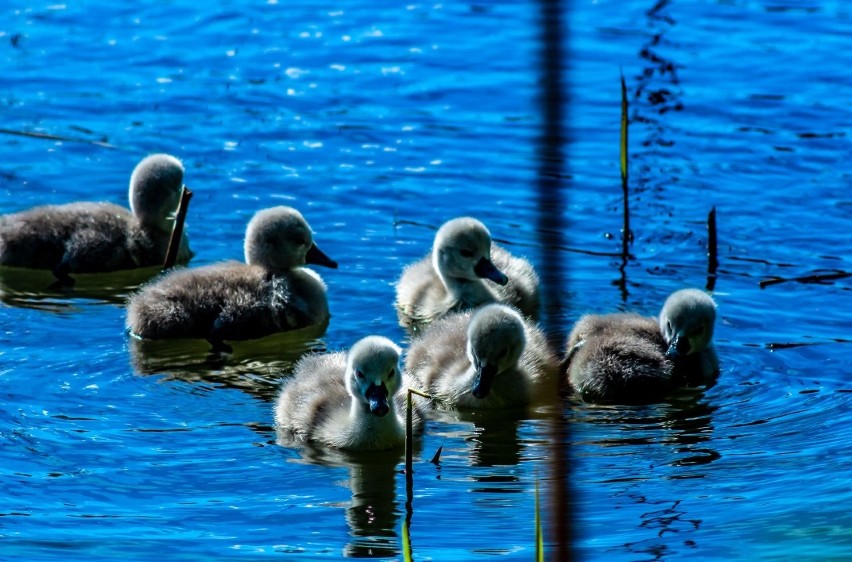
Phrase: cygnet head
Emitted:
{"points": [[462, 250], [373, 375], [155, 187], [495, 342], [279, 239], [686, 322]]}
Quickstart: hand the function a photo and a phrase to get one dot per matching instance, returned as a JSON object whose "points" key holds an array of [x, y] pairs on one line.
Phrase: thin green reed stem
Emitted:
{"points": [[409, 474]]}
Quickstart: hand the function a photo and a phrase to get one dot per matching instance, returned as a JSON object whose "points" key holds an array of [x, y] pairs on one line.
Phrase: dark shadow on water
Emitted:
{"points": [[255, 366]]}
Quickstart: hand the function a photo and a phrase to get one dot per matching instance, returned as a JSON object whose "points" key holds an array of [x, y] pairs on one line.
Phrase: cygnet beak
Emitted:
{"points": [[377, 396], [318, 257], [678, 348], [486, 269], [484, 377]]}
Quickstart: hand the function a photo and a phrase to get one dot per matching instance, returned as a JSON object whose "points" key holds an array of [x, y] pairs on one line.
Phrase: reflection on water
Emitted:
{"points": [[494, 438], [668, 441], [691, 424], [685, 422], [373, 516], [30, 288], [254, 366]]}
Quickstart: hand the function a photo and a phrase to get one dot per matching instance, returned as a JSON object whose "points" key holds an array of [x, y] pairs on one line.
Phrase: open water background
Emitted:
{"points": [[379, 121]]}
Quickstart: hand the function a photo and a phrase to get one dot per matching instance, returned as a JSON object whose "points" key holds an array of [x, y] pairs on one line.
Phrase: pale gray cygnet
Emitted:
{"points": [[464, 270], [347, 400], [489, 358]]}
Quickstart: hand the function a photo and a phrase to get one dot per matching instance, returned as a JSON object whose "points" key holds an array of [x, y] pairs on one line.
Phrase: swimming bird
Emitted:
{"points": [[269, 293], [347, 400], [452, 277], [628, 358], [488, 358], [87, 237]]}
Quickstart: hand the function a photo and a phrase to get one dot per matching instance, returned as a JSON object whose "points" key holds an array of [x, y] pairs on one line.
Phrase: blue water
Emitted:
{"points": [[379, 123]]}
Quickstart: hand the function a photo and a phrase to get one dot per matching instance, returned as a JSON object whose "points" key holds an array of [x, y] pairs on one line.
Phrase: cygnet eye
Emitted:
{"points": [[466, 253], [359, 374], [697, 331], [669, 325], [391, 373]]}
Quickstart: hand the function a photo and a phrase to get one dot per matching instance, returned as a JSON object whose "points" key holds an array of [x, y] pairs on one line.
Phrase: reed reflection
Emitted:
{"points": [[669, 523]]}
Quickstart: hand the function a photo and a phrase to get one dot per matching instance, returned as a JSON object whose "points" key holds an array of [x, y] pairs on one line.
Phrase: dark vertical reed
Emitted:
{"points": [[712, 251], [177, 229], [624, 155], [550, 226], [551, 162], [409, 435]]}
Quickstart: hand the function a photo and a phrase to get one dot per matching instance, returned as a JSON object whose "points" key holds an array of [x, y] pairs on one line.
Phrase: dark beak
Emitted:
{"points": [[377, 396], [678, 348], [317, 257], [484, 377], [487, 270]]}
